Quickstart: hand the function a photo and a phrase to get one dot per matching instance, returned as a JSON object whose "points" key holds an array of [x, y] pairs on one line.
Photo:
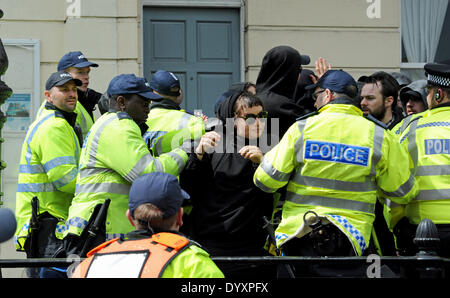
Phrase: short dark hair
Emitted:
{"points": [[247, 99], [389, 85]]}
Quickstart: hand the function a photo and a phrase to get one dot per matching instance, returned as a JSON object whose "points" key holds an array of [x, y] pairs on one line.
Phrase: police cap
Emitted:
{"points": [[438, 74], [59, 78]]}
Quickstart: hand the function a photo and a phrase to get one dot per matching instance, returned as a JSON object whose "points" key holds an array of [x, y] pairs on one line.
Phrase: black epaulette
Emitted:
{"points": [[307, 116], [375, 120], [123, 115]]}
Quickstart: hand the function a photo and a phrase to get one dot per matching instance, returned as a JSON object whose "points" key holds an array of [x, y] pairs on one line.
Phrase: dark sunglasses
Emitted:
{"points": [[260, 115]]}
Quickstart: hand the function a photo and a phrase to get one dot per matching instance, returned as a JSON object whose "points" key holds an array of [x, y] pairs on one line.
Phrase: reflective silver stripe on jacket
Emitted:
{"points": [[274, 173], [298, 146], [114, 188], [94, 142], [433, 194], [392, 204], [263, 187], [378, 137], [335, 184], [139, 167], [438, 170], [59, 161], [330, 202], [177, 158], [35, 187], [31, 169], [88, 172], [412, 148], [66, 179], [184, 121], [403, 189], [158, 146]]}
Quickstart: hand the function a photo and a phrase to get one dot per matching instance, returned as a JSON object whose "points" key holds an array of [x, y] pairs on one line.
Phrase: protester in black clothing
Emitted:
{"points": [[228, 209], [235, 88], [302, 96], [276, 84]]}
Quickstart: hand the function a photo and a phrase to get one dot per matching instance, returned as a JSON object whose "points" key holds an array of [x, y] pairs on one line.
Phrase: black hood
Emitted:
{"points": [[279, 71], [226, 108]]}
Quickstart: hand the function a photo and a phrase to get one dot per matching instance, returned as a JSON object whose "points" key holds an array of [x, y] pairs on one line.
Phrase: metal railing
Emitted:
{"points": [[419, 266]]}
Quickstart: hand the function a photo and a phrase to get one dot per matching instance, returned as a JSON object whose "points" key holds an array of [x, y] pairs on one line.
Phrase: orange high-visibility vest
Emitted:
{"points": [[159, 251]]}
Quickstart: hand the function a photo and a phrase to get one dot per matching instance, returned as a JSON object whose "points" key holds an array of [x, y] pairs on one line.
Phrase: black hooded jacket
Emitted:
{"points": [[276, 84], [228, 209]]}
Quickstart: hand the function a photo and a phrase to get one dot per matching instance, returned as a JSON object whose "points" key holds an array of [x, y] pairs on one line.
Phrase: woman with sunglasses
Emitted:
{"points": [[228, 209]]}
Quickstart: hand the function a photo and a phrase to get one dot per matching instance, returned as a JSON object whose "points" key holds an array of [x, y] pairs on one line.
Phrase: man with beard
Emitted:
{"points": [[379, 98], [48, 169]]}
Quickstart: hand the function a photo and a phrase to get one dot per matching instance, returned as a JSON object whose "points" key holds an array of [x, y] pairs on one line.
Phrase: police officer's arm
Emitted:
{"points": [[395, 180], [131, 158], [171, 140], [60, 156], [278, 164]]}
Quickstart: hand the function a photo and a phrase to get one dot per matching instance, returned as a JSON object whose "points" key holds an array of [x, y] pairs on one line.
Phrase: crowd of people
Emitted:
{"points": [[300, 163]]}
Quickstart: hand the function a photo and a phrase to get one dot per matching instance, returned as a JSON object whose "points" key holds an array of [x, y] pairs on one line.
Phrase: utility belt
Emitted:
{"points": [[41, 241], [323, 240], [93, 234]]}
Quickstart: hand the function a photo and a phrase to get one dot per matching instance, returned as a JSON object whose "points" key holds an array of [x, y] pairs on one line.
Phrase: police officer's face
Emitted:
{"points": [[81, 73], [63, 97], [372, 101], [137, 107]]}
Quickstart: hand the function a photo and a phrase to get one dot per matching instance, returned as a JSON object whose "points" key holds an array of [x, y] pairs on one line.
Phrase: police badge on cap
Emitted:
{"points": [[438, 74]]}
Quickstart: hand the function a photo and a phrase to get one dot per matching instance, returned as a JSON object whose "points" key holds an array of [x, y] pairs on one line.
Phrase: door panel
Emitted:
{"points": [[199, 45]]}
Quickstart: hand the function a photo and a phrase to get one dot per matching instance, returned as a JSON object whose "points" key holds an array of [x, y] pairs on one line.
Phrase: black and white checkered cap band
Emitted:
{"points": [[441, 81]]}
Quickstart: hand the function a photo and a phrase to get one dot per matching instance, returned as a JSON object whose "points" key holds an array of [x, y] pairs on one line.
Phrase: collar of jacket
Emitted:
{"points": [[341, 108], [445, 107], [165, 104], [447, 104], [69, 116]]}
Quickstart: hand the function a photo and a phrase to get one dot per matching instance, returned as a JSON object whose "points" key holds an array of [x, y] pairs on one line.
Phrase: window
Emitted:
{"points": [[425, 30]]}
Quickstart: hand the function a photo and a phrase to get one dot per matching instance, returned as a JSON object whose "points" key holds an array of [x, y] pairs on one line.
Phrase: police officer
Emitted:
{"points": [[427, 139], [79, 67], [48, 167], [113, 156], [155, 248], [168, 125], [333, 163]]}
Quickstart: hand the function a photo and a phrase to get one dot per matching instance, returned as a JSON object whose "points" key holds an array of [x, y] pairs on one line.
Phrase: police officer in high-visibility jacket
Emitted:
{"points": [[79, 67], [334, 164], [113, 156], [427, 139], [168, 125], [48, 167], [155, 248]]}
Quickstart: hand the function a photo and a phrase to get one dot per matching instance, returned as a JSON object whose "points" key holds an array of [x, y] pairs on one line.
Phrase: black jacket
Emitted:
{"points": [[228, 209], [89, 99], [276, 84]]}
